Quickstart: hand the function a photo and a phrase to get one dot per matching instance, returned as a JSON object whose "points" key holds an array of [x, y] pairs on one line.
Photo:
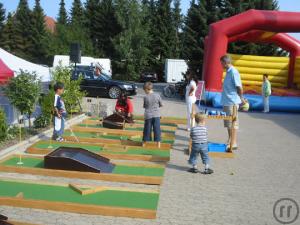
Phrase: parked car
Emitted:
{"points": [[148, 76], [103, 85]]}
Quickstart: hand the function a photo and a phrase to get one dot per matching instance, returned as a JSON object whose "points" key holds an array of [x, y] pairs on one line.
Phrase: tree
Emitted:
{"points": [[77, 16], [2, 20], [91, 9], [23, 92], [194, 31], [8, 34], [39, 35], [177, 20], [72, 95], [23, 31], [3, 126], [131, 45], [163, 38], [62, 14], [106, 28]]}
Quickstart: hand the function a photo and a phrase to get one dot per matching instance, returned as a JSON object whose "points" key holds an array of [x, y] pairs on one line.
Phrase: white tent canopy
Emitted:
{"points": [[16, 64]]}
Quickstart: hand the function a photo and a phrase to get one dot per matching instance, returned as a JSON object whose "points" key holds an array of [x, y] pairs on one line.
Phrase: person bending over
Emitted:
{"points": [[124, 106]]}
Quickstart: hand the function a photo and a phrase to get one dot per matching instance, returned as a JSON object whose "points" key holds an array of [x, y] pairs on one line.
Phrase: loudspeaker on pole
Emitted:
{"points": [[75, 53]]}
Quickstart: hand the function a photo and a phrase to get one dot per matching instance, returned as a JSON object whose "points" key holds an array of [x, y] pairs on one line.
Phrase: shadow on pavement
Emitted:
{"points": [[177, 167], [288, 121]]}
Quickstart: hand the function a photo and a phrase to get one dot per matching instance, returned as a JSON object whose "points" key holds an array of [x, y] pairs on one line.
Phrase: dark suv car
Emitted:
{"points": [[148, 76], [103, 85]]}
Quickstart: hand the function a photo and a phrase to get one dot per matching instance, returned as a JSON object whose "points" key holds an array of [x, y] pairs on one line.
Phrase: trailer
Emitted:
{"points": [[174, 70]]}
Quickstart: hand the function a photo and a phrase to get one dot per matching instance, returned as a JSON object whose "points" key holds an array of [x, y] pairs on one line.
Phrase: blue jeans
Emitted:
{"points": [[197, 149], [59, 133], [149, 124]]}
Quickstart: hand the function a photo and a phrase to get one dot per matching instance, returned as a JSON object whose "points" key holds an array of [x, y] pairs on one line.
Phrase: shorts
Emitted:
{"points": [[229, 111]]}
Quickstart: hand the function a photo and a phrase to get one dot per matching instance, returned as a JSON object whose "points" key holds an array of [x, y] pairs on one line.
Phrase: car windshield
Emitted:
{"points": [[105, 77]]}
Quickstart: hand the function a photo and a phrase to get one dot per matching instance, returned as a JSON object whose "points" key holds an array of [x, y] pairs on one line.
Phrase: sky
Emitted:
{"points": [[51, 6]]}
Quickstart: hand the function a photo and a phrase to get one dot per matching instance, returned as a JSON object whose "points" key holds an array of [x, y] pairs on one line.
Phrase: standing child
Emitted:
{"points": [[59, 112], [266, 92], [199, 145], [152, 103]]}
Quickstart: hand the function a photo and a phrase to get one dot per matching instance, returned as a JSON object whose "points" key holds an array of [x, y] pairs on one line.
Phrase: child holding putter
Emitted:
{"points": [[199, 145], [59, 112], [152, 103]]}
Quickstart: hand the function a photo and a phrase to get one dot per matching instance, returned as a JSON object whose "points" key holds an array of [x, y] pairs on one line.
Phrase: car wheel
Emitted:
{"points": [[114, 92]]}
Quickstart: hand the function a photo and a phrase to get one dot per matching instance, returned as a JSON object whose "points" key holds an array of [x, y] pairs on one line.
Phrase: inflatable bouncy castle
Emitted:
{"points": [[257, 26]]}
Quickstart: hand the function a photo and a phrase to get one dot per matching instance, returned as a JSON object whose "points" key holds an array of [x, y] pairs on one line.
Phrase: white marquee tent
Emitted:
{"points": [[16, 64]]}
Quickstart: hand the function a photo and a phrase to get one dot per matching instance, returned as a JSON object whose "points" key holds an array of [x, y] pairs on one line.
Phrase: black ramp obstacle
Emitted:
{"points": [[77, 159]]}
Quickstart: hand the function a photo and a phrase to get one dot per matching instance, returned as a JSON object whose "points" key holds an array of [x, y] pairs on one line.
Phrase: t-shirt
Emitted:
{"points": [[232, 80], [152, 103], [191, 85], [199, 134], [127, 108], [60, 105], [266, 88]]}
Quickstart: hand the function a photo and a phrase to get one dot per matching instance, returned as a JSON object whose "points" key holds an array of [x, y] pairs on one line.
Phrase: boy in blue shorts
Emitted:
{"points": [[199, 145], [59, 112]]}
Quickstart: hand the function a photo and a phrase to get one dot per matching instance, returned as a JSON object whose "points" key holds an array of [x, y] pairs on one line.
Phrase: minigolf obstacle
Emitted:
{"points": [[77, 159]]}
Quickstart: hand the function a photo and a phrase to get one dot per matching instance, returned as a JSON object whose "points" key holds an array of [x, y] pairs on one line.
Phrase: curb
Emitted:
{"points": [[21, 147]]}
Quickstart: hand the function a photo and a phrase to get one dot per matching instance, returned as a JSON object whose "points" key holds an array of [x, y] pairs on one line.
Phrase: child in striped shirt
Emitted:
{"points": [[199, 145]]}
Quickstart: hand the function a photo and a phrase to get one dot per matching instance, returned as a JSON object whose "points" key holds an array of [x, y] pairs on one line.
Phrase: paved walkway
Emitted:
{"points": [[242, 190]]}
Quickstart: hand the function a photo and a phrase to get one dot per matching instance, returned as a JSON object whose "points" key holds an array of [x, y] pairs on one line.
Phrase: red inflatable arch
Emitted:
{"points": [[254, 26]]}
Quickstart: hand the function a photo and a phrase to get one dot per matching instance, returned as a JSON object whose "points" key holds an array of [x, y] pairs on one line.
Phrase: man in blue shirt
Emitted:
{"points": [[232, 96]]}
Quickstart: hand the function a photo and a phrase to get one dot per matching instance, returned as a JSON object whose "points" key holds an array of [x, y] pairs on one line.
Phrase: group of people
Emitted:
{"points": [[232, 97]]}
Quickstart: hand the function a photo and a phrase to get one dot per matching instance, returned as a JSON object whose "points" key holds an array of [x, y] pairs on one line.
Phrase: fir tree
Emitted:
{"points": [[77, 15], [105, 28], [163, 35], [2, 20], [91, 9], [194, 32], [62, 14], [131, 45], [177, 19], [8, 34], [39, 35], [23, 31]]}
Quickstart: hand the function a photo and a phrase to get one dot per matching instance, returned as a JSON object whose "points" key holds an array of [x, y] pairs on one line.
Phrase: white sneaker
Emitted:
{"points": [[59, 139]]}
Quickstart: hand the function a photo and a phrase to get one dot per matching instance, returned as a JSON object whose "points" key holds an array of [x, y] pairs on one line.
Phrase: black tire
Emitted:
{"points": [[114, 92], [169, 91]]}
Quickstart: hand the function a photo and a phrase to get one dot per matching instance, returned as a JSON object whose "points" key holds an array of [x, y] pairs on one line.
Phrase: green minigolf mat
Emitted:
{"points": [[98, 149], [115, 137], [92, 148], [119, 169], [128, 128], [65, 194], [142, 122]]}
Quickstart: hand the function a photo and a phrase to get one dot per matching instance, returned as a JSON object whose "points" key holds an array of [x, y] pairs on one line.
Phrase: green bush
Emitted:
{"points": [[3, 126], [46, 104], [13, 132], [23, 92], [72, 95], [42, 121]]}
